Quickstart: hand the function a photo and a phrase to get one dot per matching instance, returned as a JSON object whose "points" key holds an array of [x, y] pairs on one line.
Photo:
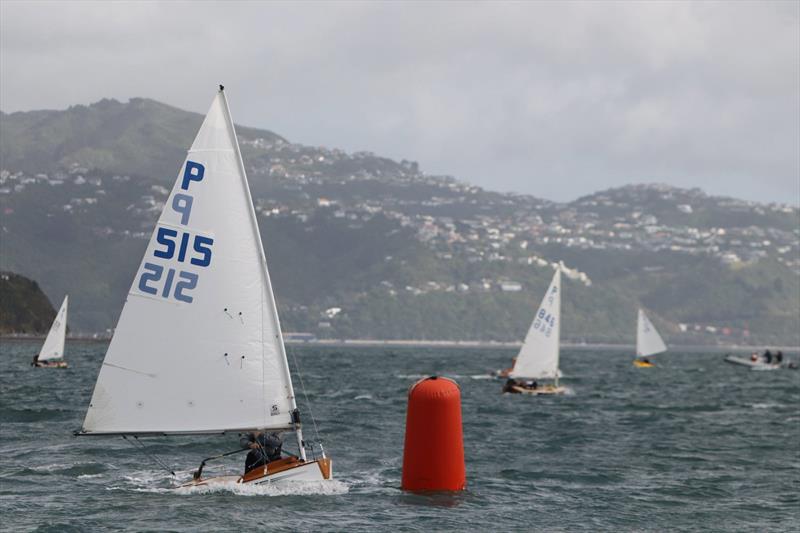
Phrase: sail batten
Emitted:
{"points": [[539, 356], [53, 347], [648, 341], [203, 336]]}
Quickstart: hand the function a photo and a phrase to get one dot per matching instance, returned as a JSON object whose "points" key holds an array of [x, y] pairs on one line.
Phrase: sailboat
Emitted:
{"points": [[648, 341], [52, 353], [538, 357], [198, 347]]}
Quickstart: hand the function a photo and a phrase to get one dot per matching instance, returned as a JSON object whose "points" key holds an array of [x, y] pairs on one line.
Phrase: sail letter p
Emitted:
{"points": [[192, 172]]}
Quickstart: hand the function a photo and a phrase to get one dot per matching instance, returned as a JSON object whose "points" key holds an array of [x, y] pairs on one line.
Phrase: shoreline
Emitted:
{"points": [[412, 343]]}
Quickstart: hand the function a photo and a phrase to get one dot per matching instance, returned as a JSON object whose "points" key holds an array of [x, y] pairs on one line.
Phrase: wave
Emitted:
{"points": [[288, 488]]}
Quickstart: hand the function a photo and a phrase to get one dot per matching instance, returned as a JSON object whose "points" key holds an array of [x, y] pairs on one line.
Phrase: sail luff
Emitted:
{"points": [[273, 307], [265, 270]]}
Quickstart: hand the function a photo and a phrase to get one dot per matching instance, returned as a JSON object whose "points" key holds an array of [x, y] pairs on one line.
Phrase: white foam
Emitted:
{"points": [[765, 405], [482, 376], [363, 397], [286, 488]]}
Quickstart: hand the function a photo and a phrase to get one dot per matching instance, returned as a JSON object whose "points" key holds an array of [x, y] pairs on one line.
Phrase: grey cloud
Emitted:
{"points": [[552, 99]]}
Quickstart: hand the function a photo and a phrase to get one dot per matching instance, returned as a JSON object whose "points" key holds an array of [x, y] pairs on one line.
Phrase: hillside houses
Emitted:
{"points": [[462, 220]]}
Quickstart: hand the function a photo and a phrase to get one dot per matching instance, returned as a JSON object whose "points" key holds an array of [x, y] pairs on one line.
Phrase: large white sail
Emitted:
{"points": [[538, 357], [648, 341], [53, 347], [198, 346]]}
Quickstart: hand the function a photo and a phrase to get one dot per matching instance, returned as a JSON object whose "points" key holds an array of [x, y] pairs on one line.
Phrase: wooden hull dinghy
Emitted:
{"points": [[538, 358], [50, 364], [546, 390], [198, 348], [286, 469], [639, 363]]}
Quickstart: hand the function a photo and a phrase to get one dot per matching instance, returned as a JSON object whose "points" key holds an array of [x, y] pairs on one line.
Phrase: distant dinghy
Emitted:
{"points": [[648, 341], [52, 353], [539, 356], [198, 347]]}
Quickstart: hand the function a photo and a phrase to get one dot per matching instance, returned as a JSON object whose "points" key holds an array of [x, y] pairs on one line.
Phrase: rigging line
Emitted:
{"points": [[152, 456], [305, 394]]}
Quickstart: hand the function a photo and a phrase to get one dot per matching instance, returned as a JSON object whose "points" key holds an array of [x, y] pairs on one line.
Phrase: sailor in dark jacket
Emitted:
{"points": [[264, 448]]}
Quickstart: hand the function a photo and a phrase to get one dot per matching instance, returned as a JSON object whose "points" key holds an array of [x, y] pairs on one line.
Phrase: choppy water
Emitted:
{"points": [[693, 444]]}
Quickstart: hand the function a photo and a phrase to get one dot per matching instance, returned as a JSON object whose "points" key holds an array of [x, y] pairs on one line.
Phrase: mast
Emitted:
{"points": [[265, 272], [558, 326]]}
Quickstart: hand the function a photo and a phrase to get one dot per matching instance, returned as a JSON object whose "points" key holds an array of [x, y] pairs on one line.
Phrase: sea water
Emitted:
{"points": [[691, 444]]}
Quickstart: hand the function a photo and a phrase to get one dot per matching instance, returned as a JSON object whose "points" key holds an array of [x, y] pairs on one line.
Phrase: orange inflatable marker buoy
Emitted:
{"points": [[433, 458]]}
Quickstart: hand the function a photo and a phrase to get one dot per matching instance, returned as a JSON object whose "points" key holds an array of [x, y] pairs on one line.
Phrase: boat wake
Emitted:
{"points": [[288, 488], [160, 483]]}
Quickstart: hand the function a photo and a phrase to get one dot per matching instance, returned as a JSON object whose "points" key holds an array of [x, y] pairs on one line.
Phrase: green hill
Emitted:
{"points": [[23, 306], [360, 246]]}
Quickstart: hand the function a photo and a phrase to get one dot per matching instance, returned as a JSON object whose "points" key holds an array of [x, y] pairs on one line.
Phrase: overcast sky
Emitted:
{"points": [[553, 99]]}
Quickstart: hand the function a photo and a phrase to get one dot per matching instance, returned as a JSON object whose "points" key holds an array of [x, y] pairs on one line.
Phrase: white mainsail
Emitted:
{"points": [[53, 347], [538, 357], [648, 341], [198, 345]]}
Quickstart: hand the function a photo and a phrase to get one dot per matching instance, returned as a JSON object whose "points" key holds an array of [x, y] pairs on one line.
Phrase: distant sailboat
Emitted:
{"points": [[198, 347], [52, 353], [648, 341], [539, 355]]}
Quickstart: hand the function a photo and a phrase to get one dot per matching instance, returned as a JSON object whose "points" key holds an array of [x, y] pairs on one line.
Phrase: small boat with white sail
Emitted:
{"points": [[52, 353], [539, 356], [648, 342], [198, 348]]}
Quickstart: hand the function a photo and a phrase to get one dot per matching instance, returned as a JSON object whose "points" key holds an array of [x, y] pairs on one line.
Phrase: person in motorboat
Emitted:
{"points": [[768, 357], [779, 357], [754, 357], [264, 448]]}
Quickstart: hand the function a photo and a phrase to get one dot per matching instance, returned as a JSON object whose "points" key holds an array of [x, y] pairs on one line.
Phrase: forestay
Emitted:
{"points": [[198, 346], [53, 347], [538, 357], [648, 341]]}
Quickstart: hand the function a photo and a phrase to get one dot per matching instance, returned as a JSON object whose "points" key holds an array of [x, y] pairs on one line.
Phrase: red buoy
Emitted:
{"points": [[433, 458]]}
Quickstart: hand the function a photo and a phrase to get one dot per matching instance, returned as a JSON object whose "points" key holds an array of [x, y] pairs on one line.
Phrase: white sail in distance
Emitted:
{"points": [[538, 357], [53, 347], [648, 341], [198, 346]]}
